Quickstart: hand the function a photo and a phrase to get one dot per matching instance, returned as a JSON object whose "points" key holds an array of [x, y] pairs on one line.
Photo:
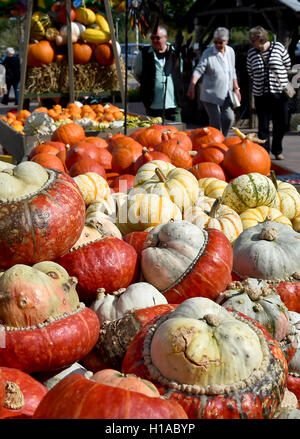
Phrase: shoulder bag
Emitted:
{"points": [[288, 89]]}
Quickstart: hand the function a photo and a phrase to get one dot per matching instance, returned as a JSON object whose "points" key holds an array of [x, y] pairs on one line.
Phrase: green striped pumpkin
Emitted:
{"points": [[248, 191]]}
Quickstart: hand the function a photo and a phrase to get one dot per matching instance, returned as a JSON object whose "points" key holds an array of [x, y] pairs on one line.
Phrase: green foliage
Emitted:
{"points": [[8, 34]]}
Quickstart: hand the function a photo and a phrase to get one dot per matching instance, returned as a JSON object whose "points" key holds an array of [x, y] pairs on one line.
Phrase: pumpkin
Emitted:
{"points": [[98, 141], [289, 293], [257, 300], [38, 207], [115, 337], [136, 296], [154, 135], [246, 157], [83, 150], [188, 354], [122, 183], [288, 198], [42, 148], [42, 304], [212, 187], [229, 141], [183, 140], [269, 250], [199, 263], [48, 160], [213, 152], [288, 413], [103, 223], [178, 184], [87, 165], [100, 401], [147, 171], [148, 156], [69, 133], [252, 217], [23, 394], [85, 15], [92, 186], [124, 153], [179, 157], [108, 263], [249, 190], [220, 217], [104, 54], [82, 53], [41, 53], [60, 146], [142, 210], [131, 382], [136, 239], [207, 170], [205, 136], [22, 115]]}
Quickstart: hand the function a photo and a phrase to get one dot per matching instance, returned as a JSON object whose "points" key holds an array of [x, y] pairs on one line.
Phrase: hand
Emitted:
{"points": [[238, 93], [191, 91]]}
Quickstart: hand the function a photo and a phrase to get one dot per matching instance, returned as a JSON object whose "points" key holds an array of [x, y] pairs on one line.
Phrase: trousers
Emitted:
{"points": [[272, 106], [6, 96], [220, 116]]}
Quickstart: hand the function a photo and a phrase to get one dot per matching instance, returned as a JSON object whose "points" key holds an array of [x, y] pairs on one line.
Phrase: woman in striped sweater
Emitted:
{"points": [[263, 59]]}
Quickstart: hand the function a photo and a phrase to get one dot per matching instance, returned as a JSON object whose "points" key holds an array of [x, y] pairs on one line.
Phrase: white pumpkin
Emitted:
{"points": [[137, 296]]}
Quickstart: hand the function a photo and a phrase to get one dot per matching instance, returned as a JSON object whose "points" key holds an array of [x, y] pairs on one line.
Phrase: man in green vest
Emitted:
{"points": [[158, 69]]}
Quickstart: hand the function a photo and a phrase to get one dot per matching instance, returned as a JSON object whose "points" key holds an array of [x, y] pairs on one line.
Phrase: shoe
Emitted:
{"points": [[279, 157]]}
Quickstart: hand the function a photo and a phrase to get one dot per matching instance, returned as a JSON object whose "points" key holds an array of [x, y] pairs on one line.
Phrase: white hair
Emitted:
{"points": [[10, 51], [222, 33]]}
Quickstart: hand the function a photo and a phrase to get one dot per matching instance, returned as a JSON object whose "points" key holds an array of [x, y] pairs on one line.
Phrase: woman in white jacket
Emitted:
{"points": [[216, 67]]}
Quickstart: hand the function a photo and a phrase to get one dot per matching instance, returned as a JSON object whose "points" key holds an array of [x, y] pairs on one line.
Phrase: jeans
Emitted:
{"points": [[173, 114], [272, 106], [16, 91], [220, 116]]}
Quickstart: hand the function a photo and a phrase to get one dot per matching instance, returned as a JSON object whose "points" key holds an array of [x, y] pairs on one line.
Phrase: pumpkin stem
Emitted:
{"points": [[118, 292], [238, 133], [273, 178], [160, 175], [215, 207], [193, 153], [268, 234], [14, 398], [145, 150], [212, 319]]}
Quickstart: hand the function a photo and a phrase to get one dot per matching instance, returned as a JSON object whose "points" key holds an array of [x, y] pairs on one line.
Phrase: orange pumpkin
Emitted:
{"points": [[131, 382], [246, 157], [98, 141], [87, 165], [205, 135], [229, 141], [69, 133], [22, 115], [179, 157], [124, 153], [40, 53], [60, 146], [212, 153], [43, 148], [48, 161], [82, 53], [104, 54], [183, 140], [83, 150], [208, 169], [154, 135]]}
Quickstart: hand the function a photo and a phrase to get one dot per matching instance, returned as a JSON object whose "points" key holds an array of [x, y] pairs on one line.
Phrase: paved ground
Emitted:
{"points": [[291, 143]]}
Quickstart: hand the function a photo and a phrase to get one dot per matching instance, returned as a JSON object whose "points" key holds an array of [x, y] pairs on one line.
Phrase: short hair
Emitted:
{"points": [[222, 33], [162, 28], [10, 51], [258, 33]]}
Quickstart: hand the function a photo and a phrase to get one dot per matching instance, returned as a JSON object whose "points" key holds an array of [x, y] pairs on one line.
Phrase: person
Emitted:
{"points": [[12, 74], [158, 69], [263, 59], [216, 67]]}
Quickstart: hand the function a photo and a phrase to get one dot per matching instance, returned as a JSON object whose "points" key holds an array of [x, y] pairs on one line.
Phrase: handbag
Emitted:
{"points": [[234, 99], [288, 89]]}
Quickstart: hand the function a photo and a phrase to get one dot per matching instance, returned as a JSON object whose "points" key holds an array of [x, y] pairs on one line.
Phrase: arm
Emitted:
{"points": [[286, 59], [197, 74], [236, 87]]}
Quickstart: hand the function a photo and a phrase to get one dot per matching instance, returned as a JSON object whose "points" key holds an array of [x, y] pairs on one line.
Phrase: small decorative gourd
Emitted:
{"points": [[136, 296], [249, 190], [92, 186], [213, 187], [252, 217], [288, 198]]}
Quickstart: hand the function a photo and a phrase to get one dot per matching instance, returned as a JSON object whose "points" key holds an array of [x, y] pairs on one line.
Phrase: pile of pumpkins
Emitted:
{"points": [[90, 37], [141, 285]]}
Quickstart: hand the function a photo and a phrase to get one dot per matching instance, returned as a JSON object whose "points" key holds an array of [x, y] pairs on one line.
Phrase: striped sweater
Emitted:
{"points": [[263, 78]]}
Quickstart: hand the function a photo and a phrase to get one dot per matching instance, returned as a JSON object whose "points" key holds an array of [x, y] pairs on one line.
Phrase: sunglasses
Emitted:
{"points": [[217, 42]]}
